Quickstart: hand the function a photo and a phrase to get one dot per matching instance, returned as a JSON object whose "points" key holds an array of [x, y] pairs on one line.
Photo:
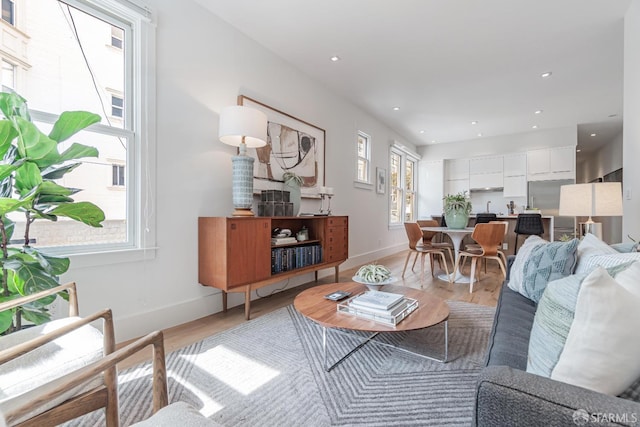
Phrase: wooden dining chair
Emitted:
{"points": [[417, 247], [488, 236], [428, 237]]}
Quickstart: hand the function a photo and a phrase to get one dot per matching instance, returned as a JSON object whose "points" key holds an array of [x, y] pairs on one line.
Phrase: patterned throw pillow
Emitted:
{"points": [[625, 247], [586, 266], [554, 321], [547, 263], [517, 269]]}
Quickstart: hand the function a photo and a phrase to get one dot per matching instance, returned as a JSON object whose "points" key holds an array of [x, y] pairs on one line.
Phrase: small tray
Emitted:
{"points": [[379, 316], [337, 295]]}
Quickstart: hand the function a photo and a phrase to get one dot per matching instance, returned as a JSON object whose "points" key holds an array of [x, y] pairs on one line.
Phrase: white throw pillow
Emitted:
{"points": [[602, 347], [516, 275], [590, 246]]}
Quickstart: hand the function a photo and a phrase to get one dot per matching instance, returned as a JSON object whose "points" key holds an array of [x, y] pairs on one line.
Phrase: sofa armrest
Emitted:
{"points": [[506, 396], [510, 260]]}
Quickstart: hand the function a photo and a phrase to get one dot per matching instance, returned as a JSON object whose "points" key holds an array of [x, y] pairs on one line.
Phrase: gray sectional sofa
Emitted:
{"points": [[506, 395]]}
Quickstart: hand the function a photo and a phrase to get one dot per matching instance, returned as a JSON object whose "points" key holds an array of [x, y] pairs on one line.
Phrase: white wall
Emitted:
{"points": [[601, 162], [203, 65], [631, 132]]}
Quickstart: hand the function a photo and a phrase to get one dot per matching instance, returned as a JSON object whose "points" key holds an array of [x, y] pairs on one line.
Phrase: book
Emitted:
{"points": [[395, 309], [377, 300], [283, 240]]}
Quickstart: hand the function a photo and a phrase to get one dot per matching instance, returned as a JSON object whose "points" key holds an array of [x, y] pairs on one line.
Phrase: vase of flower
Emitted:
{"points": [[292, 184], [457, 209]]}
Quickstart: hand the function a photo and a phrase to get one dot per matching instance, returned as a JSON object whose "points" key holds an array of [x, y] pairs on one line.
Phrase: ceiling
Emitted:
{"points": [[448, 63]]}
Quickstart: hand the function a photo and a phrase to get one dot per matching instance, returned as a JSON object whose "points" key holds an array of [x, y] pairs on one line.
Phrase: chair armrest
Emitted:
{"points": [[507, 396], [69, 287], [27, 346], [41, 395]]}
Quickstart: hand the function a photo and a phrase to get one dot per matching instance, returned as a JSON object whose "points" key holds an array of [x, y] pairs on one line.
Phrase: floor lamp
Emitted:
{"points": [[242, 127], [594, 199]]}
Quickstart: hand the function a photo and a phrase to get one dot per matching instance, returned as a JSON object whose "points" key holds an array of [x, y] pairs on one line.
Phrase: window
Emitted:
{"points": [[8, 11], [402, 179], [8, 76], [86, 73], [364, 158], [117, 35], [117, 106], [117, 175]]}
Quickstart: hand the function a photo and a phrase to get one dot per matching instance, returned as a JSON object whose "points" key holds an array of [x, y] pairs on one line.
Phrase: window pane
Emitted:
{"points": [[408, 173], [7, 11], [395, 214], [117, 36], [362, 170], [395, 170], [8, 76], [362, 148], [117, 104], [409, 213], [94, 177], [60, 78]]}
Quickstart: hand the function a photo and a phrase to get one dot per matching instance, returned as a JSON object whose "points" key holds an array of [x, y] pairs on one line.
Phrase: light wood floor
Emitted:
{"points": [[485, 292]]}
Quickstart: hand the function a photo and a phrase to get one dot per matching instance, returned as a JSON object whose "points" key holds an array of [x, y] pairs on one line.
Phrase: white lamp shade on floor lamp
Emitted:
{"points": [[242, 127], [593, 199]]}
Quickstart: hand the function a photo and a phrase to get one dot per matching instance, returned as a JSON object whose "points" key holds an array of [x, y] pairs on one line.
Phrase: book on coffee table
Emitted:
{"points": [[377, 300]]}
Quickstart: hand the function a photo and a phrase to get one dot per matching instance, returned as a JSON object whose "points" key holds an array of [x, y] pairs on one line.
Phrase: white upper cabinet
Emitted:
{"points": [[483, 165], [551, 163], [457, 169], [515, 164]]}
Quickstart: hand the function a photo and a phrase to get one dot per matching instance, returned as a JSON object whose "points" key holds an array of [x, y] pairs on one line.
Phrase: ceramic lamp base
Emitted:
{"points": [[242, 185]]}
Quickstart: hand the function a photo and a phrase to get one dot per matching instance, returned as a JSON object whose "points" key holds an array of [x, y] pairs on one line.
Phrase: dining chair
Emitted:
{"points": [[476, 247], [428, 237], [414, 234], [488, 236], [528, 225]]}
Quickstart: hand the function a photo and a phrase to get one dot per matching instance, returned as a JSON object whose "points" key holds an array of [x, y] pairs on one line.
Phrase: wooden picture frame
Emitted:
{"points": [[381, 180], [293, 145]]}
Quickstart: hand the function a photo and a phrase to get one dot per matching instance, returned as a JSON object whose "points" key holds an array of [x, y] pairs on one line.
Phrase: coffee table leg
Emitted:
{"points": [[324, 349]]}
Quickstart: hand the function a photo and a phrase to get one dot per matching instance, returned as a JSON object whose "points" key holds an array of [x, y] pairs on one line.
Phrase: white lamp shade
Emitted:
{"points": [[595, 199], [238, 122]]}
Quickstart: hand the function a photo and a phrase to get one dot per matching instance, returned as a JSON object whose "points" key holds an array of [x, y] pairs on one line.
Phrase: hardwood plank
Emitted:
{"points": [[485, 292]]}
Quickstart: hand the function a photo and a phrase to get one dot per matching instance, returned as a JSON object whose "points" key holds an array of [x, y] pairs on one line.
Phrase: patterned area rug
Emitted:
{"points": [[270, 372]]}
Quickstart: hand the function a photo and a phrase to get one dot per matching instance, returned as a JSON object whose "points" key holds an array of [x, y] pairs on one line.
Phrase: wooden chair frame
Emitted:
{"points": [[414, 234], [103, 396], [488, 236]]}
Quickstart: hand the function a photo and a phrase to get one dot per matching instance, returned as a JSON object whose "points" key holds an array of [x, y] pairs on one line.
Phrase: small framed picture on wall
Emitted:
{"points": [[381, 180]]}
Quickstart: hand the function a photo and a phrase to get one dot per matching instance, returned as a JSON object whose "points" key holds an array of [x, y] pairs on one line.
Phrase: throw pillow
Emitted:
{"points": [[625, 247], [587, 265], [602, 347], [517, 268], [591, 245], [548, 262]]}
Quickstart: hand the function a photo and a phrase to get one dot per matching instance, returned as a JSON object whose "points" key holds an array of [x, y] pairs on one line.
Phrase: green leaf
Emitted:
{"points": [[6, 170], [33, 144], [85, 212], [6, 320], [52, 265], [9, 227], [27, 178], [12, 104], [53, 189], [57, 172], [7, 134], [33, 278], [38, 317], [71, 122], [47, 200], [78, 151], [8, 204]]}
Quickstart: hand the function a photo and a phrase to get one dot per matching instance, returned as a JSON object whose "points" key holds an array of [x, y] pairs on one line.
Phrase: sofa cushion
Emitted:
{"points": [[516, 273], [625, 247], [547, 262], [587, 265], [600, 345], [509, 339]]}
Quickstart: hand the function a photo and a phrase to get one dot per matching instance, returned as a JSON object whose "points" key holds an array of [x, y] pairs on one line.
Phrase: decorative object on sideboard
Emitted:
{"points": [[593, 199], [293, 183], [373, 276], [457, 209], [325, 192], [242, 127], [293, 145]]}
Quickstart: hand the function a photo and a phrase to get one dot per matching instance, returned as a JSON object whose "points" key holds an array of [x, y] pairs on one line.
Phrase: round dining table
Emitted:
{"points": [[456, 235]]}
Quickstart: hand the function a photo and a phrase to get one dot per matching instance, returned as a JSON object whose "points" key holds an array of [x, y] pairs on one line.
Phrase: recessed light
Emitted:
{"points": [[421, 131], [537, 112], [578, 150], [479, 134], [475, 122], [534, 127], [593, 134], [546, 74], [396, 108], [335, 58], [433, 141]]}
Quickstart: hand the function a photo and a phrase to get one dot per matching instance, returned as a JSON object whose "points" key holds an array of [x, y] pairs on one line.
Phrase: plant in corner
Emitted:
{"points": [[457, 209], [31, 164]]}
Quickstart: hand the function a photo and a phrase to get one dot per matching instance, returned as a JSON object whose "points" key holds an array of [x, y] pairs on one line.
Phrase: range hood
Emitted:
{"points": [[486, 189]]}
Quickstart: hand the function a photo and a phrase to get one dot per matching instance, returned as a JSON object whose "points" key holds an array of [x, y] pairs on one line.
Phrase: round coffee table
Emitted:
{"points": [[312, 304]]}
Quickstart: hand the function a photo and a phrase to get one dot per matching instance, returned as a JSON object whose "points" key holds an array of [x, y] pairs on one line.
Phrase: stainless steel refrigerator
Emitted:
{"points": [[545, 195]]}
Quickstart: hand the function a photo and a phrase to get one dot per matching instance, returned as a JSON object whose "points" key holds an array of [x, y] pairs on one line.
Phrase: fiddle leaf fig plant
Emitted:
{"points": [[31, 163]]}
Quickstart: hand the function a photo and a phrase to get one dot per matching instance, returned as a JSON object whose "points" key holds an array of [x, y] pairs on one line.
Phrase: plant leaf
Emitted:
{"points": [[8, 204], [38, 316], [78, 151], [57, 172], [6, 320], [33, 144], [27, 178], [7, 134], [71, 122], [33, 277], [12, 104], [85, 212]]}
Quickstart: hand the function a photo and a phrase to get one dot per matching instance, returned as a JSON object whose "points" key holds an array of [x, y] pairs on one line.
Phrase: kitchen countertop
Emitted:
{"points": [[502, 216]]}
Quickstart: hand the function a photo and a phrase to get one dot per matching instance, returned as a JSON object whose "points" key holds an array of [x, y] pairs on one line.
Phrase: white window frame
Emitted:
{"points": [[366, 159], [405, 155], [14, 70], [140, 135]]}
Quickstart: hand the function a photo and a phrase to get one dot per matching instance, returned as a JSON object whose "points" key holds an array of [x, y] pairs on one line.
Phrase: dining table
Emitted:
{"points": [[456, 235]]}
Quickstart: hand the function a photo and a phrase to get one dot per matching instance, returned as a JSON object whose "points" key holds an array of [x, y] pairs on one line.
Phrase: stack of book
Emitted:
{"points": [[275, 241], [383, 307]]}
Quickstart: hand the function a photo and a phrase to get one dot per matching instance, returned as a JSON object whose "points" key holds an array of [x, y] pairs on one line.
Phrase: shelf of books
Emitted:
{"points": [[294, 257], [382, 307]]}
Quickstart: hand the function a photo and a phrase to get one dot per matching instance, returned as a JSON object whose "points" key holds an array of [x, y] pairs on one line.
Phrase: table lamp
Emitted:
{"points": [[242, 127], [594, 199]]}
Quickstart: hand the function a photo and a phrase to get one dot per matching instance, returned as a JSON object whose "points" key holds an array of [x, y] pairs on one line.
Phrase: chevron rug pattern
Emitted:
{"points": [[269, 372]]}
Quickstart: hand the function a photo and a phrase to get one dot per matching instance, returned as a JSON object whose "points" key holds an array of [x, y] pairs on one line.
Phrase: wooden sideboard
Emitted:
{"points": [[235, 253]]}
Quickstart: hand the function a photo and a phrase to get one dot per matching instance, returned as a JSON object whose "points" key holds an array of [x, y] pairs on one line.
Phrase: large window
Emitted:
{"points": [[363, 145], [403, 179], [8, 76], [72, 68], [8, 11]]}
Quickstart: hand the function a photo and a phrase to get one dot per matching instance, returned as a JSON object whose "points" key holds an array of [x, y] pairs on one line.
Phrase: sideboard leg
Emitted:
{"points": [[247, 303], [224, 301], [337, 267], [316, 273]]}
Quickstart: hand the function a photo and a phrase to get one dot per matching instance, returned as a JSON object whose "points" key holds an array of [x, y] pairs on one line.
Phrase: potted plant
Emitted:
{"points": [[32, 163], [292, 184], [457, 209]]}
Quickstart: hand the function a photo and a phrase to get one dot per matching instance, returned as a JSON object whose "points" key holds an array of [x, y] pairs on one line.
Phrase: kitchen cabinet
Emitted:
{"points": [[515, 186], [551, 164], [515, 175], [486, 172], [457, 169], [455, 186]]}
